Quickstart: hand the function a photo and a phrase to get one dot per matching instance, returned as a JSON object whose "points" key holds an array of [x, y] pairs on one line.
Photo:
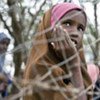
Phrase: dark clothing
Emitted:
{"points": [[97, 90]]}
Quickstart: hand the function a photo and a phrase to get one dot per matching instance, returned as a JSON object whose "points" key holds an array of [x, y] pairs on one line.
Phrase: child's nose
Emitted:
{"points": [[5, 46], [72, 29], [74, 32]]}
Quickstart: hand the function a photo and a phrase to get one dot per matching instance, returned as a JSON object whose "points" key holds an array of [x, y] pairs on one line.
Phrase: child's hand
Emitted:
{"points": [[62, 43], [64, 47]]}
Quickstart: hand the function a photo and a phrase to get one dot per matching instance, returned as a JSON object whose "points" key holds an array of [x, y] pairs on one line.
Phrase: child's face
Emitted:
{"points": [[74, 22], [3, 46]]}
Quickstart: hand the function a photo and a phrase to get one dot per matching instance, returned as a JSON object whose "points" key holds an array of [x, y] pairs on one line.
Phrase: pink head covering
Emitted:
{"points": [[60, 10], [93, 71]]}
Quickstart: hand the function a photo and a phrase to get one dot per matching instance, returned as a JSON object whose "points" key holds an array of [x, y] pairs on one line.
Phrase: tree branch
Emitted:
{"points": [[6, 26], [34, 17]]}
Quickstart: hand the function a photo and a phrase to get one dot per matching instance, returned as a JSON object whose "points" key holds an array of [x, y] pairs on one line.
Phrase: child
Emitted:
{"points": [[58, 43]]}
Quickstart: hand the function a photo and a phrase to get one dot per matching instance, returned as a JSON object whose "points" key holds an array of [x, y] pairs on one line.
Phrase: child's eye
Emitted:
{"points": [[67, 23], [80, 28]]}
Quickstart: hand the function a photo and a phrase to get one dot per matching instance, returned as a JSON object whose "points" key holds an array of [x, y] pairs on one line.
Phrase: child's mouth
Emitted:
{"points": [[74, 42]]}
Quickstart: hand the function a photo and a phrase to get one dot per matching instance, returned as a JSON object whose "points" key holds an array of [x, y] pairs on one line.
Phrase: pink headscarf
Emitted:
{"points": [[60, 10], [93, 71]]}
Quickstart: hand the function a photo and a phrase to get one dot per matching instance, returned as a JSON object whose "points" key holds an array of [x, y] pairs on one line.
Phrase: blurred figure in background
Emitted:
{"points": [[4, 42], [94, 73]]}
